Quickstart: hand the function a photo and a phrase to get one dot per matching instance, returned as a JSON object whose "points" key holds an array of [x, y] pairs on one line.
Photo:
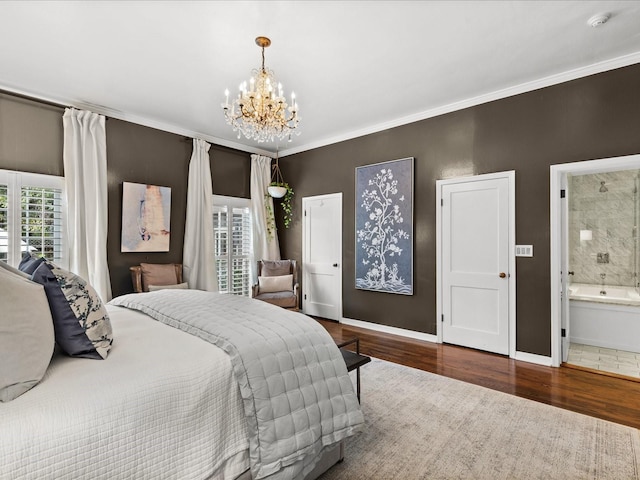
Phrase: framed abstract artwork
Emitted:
{"points": [[384, 227], [146, 218]]}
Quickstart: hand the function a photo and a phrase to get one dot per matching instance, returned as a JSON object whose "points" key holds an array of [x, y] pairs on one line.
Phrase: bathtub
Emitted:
{"points": [[593, 293], [611, 320]]}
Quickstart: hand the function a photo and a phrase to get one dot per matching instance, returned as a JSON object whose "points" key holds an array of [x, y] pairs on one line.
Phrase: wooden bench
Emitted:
{"points": [[353, 360]]}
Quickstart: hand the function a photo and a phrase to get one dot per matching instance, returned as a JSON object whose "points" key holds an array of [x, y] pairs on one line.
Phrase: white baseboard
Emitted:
{"points": [[533, 358], [521, 356], [393, 330]]}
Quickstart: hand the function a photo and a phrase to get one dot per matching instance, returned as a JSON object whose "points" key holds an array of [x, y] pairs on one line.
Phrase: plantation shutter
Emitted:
{"points": [[221, 242], [241, 251], [32, 217], [232, 240], [41, 222]]}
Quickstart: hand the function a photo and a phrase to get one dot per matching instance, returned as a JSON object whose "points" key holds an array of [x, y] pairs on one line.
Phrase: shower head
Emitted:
{"points": [[603, 188]]}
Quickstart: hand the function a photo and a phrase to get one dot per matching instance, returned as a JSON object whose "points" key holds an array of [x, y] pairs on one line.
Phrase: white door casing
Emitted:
{"points": [[564, 274], [476, 262], [322, 256], [559, 239]]}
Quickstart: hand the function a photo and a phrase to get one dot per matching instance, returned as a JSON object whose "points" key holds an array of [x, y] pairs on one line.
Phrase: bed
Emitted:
{"points": [[168, 404]]}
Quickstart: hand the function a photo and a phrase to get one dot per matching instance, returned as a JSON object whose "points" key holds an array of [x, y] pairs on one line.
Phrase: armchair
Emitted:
{"points": [[278, 283]]}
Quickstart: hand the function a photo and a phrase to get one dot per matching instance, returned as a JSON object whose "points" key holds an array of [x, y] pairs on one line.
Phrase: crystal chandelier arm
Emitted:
{"points": [[279, 109], [246, 113]]}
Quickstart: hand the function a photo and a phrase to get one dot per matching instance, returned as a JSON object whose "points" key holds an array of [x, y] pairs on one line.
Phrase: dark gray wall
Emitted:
{"points": [[31, 140], [593, 117], [144, 155]]}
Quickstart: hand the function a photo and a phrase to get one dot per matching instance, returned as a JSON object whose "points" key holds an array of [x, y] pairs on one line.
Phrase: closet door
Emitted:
{"points": [[475, 264], [322, 256]]}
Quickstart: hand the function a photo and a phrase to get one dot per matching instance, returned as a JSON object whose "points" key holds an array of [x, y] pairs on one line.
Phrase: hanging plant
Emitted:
{"points": [[279, 189], [285, 204]]}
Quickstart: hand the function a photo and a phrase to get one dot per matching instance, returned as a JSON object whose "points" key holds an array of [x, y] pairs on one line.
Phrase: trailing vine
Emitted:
{"points": [[271, 220]]}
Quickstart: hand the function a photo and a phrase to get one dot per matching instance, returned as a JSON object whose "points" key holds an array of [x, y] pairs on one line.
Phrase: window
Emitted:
{"points": [[31, 216], [232, 235]]}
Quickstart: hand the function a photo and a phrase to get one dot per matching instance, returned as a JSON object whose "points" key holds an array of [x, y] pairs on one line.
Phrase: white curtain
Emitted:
{"points": [[85, 174], [265, 247], [198, 260]]}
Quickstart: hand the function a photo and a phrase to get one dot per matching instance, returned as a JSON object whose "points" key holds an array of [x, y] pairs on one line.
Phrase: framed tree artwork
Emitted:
{"points": [[384, 227]]}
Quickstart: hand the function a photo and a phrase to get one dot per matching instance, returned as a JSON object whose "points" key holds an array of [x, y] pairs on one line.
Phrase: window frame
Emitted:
{"points": [[15, 181]]}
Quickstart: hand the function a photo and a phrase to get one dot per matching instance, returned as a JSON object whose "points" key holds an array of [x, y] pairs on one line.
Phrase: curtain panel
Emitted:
{"points": [[198, 261], [85, 173], [265, 246]]}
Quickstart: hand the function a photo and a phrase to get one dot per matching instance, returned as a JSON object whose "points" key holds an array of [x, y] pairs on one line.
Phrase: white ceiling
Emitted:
{"points": [[356, 66]]}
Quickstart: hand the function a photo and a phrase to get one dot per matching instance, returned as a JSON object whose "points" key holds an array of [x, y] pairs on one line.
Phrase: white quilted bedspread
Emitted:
{"points": [[297, 394], [162, 405]]}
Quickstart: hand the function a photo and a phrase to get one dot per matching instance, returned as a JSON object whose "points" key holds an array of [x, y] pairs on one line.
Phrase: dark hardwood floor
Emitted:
{"points": [[606, 397]]}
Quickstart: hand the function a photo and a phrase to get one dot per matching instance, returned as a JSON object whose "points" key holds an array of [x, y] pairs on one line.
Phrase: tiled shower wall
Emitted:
{"points": [[611, 216]]}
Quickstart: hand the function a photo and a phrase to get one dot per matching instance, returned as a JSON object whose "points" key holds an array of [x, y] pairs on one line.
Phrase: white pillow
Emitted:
{"points": [[8, 267], [180, 286], [282, 283], [26, 339]]}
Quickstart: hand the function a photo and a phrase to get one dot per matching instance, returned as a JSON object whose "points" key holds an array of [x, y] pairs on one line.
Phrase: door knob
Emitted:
{"points": [[503, 275], [335, 264]]}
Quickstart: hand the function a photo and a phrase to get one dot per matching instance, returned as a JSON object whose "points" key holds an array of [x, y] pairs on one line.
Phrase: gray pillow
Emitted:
{"points": [[26, 335], [275, 268], [158, 274], [8, 267], [81, 323], [29, 263]]}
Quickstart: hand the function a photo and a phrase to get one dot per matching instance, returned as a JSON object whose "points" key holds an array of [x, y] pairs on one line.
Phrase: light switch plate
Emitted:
{"points": [[524, 250]]}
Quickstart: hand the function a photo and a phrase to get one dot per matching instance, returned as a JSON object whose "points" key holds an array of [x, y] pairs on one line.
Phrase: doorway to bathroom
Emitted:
{"points": [[595, 218]]}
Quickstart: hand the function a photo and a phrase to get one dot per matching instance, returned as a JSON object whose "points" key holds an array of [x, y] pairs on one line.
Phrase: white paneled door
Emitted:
{"points": [[322, 256], [475, 248]]}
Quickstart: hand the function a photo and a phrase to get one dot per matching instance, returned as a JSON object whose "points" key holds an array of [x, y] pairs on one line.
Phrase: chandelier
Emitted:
{"points": [[261, 111]]}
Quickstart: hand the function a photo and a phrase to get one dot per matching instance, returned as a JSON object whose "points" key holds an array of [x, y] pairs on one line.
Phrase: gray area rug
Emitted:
{"points": [[420, 425]]}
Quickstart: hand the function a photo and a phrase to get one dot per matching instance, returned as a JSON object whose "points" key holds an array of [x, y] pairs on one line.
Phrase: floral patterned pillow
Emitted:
{"points": [[80, 320]]}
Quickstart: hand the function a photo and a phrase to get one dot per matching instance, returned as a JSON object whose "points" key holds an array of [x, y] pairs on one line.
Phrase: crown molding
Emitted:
{"points": [[136, 119], [612, 64], [548, 81]]}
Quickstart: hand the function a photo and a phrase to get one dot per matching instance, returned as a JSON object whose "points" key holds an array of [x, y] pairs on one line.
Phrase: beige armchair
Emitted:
{"points": [[278, 283], [155, 274]]}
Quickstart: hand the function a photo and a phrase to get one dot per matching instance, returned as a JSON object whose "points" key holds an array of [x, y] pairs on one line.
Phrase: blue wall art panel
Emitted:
{"points": [[384, 227]]}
